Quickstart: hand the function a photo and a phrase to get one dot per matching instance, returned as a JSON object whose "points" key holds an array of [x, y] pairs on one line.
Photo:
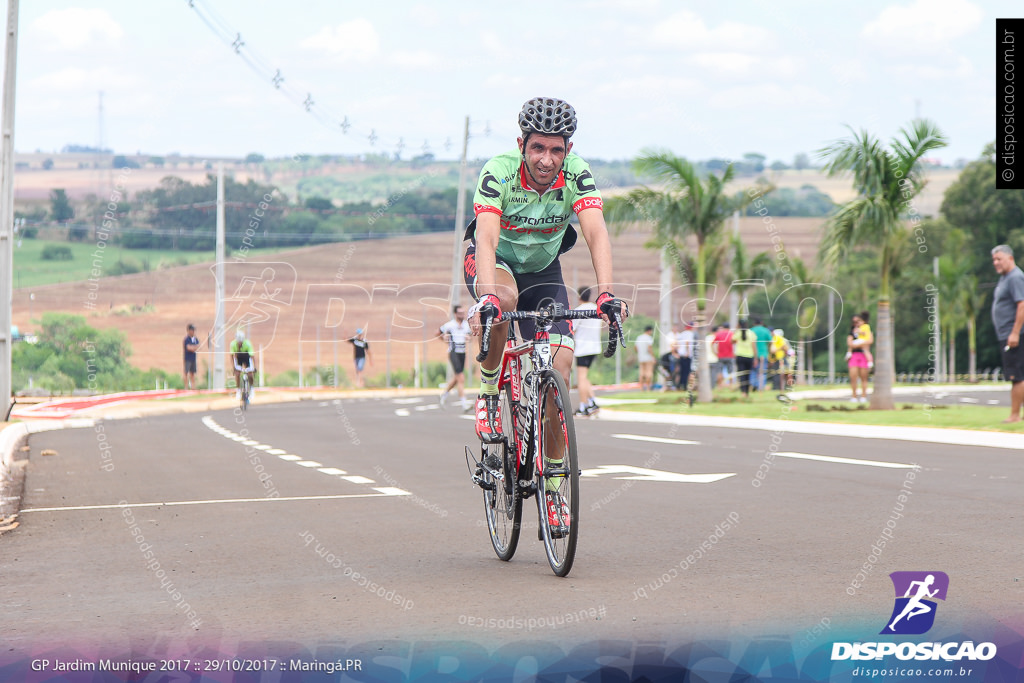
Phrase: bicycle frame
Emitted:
{"points": [[511, 375]]}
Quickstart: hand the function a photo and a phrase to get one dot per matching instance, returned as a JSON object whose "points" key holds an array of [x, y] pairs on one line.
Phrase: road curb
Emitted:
{"points": [[954, 437]]}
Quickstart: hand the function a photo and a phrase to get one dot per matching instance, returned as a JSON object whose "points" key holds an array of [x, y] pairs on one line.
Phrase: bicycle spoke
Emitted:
{"points": [[503, 506], [558, 485]]}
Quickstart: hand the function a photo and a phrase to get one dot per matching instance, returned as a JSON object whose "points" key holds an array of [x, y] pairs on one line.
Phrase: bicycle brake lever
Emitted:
{"points": [[485, 340]]}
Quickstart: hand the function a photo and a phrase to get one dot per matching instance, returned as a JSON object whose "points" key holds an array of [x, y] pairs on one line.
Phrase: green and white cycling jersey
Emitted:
{"points": [[533, 224]]}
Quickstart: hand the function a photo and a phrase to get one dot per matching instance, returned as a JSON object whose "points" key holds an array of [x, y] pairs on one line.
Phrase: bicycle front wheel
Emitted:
{"points": [[558, 474], [503, 504]]}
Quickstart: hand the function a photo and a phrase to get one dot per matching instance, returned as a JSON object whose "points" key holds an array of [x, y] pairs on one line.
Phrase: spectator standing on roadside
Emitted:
{"points": [[726, 357], [714, 365], [685, 342], [191, 345], [1007, 319], [361, 354], [587, 334], [764, 340], [645, 358], [743, 344], [781, 354], [858, 355]]}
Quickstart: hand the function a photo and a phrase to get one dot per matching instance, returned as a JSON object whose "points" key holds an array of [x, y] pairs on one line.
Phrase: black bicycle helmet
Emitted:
{"points": [[548, 116]]}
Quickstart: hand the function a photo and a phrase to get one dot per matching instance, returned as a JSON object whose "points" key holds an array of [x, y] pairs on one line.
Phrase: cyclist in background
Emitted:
{"points": [[523, 203], [455, 332], [243, 358]]}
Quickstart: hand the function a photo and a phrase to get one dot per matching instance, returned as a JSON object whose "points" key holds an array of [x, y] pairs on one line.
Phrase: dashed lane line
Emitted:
{"points": [[311, 464], [382, 492]]}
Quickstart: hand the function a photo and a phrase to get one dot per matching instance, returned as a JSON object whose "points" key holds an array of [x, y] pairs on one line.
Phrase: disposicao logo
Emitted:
{"points": [[913, 614], [916, 595]]}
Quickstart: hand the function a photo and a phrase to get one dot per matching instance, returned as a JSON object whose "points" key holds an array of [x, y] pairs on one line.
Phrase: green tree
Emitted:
{"points": [[60, 207], [886, 180], [685, 205], [974, 205]]}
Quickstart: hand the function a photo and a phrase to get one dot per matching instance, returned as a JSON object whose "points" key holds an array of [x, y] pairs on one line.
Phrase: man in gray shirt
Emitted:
{"points": [[1007, 318]]}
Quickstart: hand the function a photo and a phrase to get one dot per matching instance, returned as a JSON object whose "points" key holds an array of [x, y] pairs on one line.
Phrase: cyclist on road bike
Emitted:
{"points": [[243, 358], [523, 203]]}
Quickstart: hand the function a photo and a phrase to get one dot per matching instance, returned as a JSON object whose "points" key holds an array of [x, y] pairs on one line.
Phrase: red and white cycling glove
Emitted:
{"points": [[608, 304], [488, 307]]}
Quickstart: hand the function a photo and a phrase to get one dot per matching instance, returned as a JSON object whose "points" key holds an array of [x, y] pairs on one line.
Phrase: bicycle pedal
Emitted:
{"points": [[482, 483]]}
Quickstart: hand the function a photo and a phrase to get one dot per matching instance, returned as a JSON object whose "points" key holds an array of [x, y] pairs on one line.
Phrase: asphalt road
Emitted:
{"points": [[329, 527]]}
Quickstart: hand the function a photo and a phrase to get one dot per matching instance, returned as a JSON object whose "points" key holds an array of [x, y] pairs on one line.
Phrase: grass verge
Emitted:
{"points": [[767, 406]]}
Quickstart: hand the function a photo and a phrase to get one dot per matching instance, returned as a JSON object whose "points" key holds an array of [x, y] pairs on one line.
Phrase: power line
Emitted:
{"points": [[311, 104]]}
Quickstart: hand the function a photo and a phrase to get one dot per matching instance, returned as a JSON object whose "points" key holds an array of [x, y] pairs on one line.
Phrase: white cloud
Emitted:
{"points": [[355, 40], [76, 27], [738, 64], [962, 69], [926, 24], [75, 79], [769, 97], [418, 59], [649, 87], [687, 31]]}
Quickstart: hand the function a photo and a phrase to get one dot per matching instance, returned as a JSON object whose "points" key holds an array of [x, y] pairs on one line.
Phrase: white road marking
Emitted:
{"points": [[402, 412], [992, 402], [947, 437], [392, 491], [655, 439], [845, 461], [969, 400], [407, 401], [298, 460], [380, 494], [644, 474], [624, 401], [429, 406]]}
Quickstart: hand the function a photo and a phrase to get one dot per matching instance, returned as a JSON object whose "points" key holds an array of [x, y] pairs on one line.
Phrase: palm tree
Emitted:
{"points": [[886, 180], [686, 205]]}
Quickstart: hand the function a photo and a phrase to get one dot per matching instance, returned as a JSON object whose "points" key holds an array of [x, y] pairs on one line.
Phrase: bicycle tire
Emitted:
{"points": [[503, 502], [245, 392], [559, 546]]}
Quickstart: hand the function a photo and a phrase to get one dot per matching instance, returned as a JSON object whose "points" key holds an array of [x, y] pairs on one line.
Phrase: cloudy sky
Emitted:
{"points": [[704, 79]]}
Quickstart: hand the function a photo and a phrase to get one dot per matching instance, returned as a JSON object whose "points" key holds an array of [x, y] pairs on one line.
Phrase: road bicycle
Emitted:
{"points": [[537, 454], [246, 388]]}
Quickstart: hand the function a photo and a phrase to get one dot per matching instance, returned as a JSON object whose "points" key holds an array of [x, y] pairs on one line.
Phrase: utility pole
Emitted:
{"points": [[7, 204], [219, 381], [831, 336], [939, 375], [460, 222]]}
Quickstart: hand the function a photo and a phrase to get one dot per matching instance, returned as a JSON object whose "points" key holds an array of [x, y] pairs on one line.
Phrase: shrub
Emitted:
{"points": [[57, 252]]}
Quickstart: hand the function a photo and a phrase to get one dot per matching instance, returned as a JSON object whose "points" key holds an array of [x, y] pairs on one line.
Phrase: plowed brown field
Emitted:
{"points": [[397, 289]]}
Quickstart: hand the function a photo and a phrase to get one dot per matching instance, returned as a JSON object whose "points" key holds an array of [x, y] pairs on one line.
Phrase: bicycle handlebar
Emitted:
{"points": [[615, 337]]}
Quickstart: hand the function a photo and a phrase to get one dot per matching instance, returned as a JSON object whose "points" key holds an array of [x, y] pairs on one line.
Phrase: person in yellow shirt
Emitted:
{"points": [[858, 357], [780, 353], [743, 346]]}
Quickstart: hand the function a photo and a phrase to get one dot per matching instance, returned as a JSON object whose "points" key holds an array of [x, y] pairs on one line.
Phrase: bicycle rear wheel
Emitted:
{"points": [[503, 504], [559, 485]]}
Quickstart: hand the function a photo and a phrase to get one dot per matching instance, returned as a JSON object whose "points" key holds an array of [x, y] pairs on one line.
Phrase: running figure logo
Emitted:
{"points": [[914, 612]]}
